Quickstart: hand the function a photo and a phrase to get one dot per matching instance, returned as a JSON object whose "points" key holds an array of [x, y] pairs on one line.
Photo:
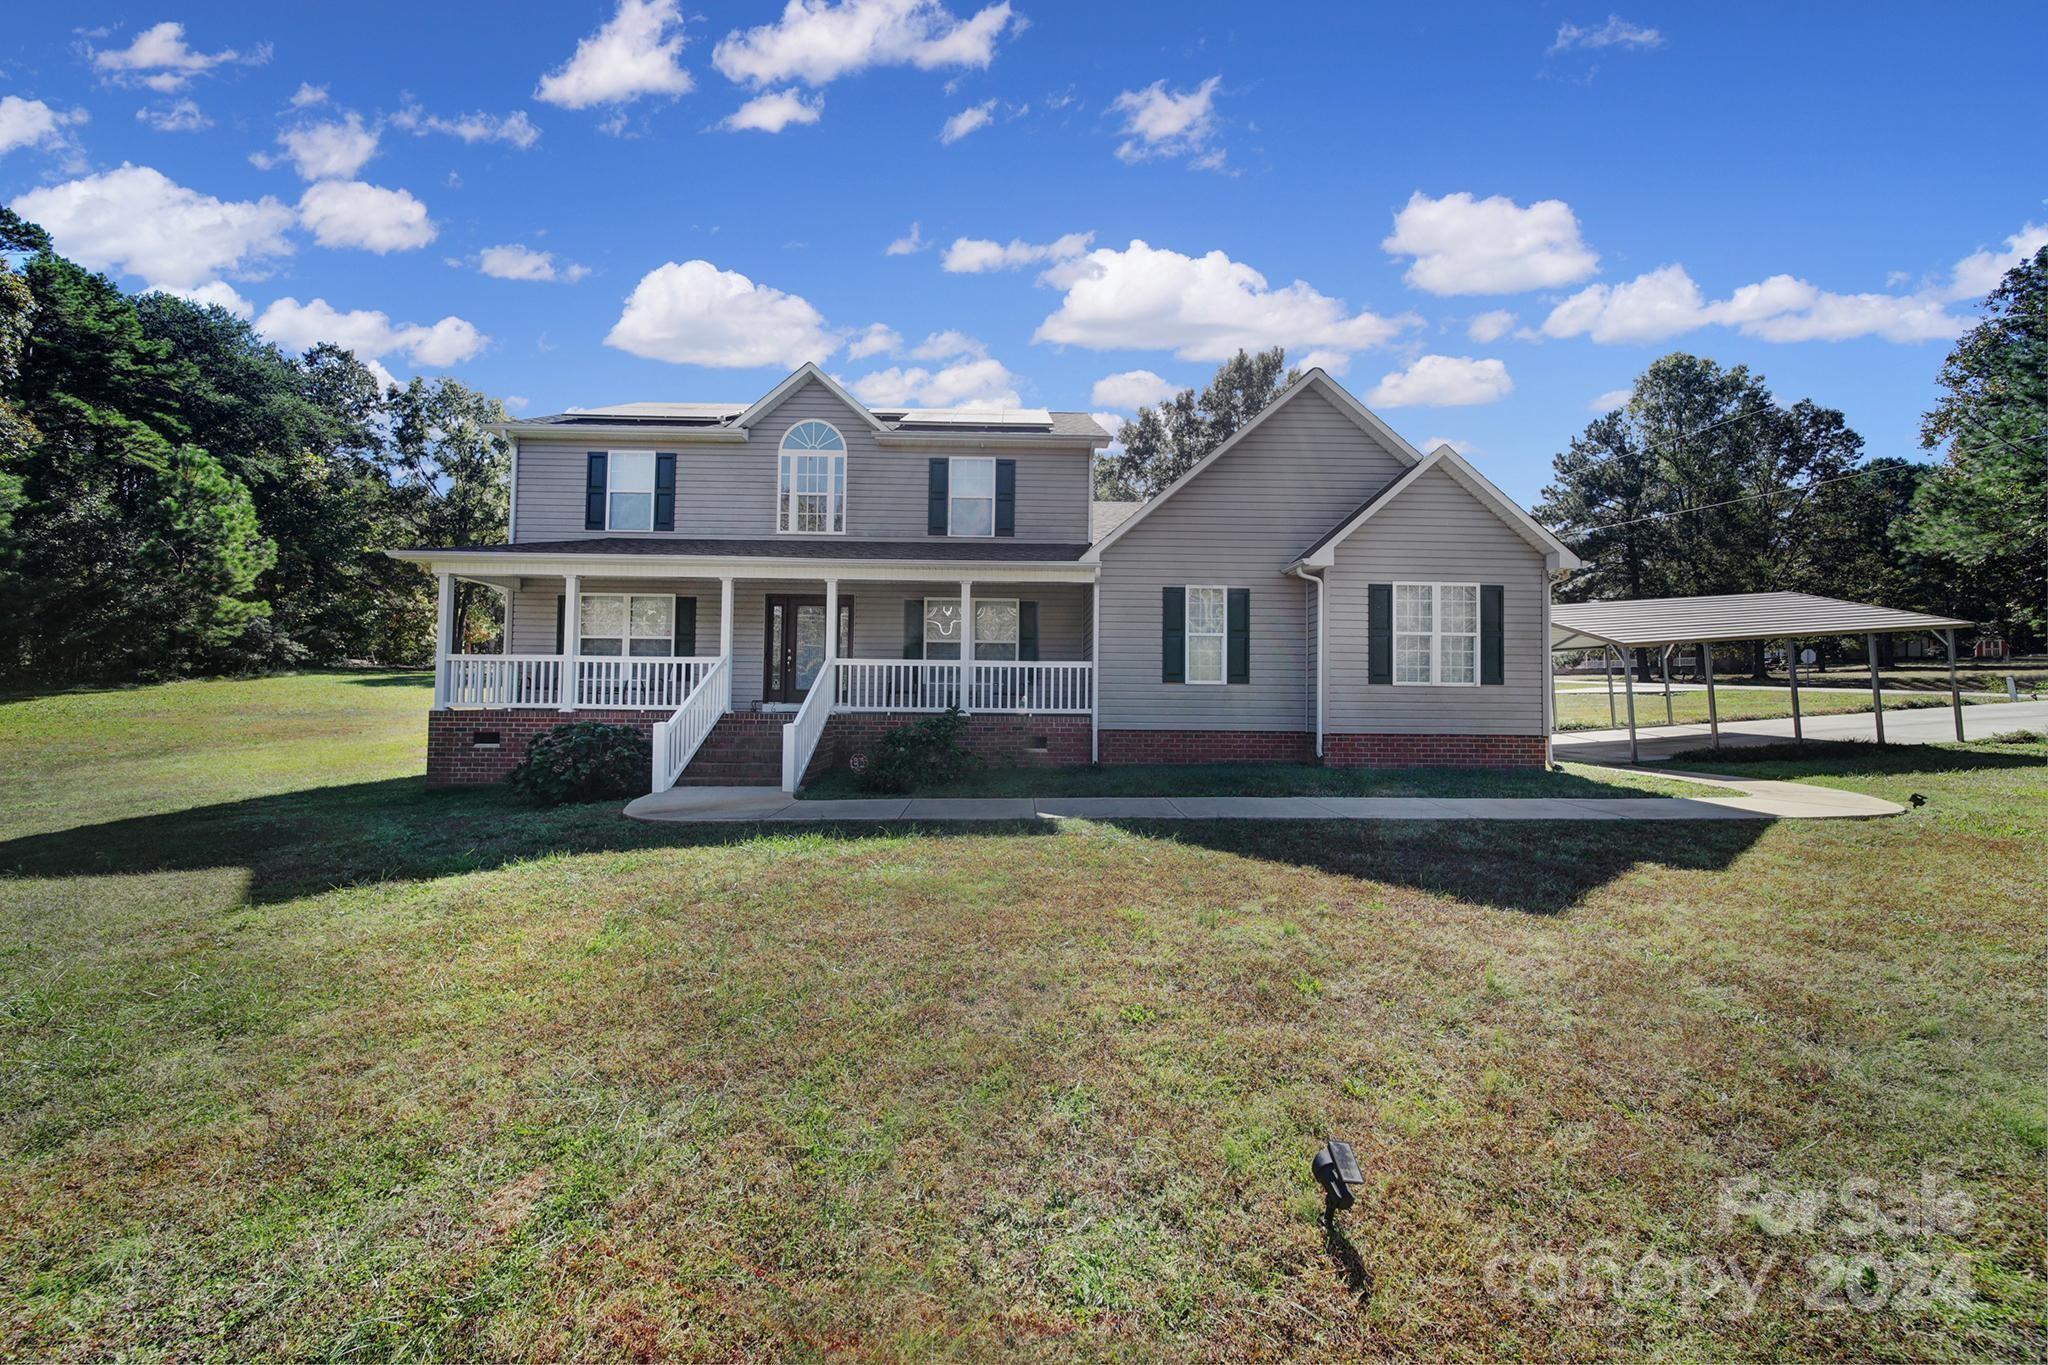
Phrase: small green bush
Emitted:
{"points": [[921, 755], [584, 760]]}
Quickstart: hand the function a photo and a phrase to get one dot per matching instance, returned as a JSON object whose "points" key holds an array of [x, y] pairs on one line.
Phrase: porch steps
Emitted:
{"points": [[743, 750]]}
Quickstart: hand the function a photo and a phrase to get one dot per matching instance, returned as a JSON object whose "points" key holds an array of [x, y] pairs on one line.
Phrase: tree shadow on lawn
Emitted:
{"points": [[317, 840], [1788, 761]]}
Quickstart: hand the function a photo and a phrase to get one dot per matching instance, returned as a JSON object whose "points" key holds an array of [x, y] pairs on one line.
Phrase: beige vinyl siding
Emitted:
{"points": [[1239, 523], [729, 490], [1436, 532]]}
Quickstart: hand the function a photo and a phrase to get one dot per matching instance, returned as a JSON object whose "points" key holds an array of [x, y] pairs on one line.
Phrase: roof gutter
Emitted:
{"points": [[565, 432]]}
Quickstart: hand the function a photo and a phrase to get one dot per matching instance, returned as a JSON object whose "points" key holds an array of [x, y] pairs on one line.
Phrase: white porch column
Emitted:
{"points": [[725, 633], [444, 635], [572, 636], [966, 644], [828, 675]]}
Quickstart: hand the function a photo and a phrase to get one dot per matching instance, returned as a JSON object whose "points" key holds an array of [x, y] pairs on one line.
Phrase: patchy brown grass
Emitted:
{"points": [[361, 1070]]}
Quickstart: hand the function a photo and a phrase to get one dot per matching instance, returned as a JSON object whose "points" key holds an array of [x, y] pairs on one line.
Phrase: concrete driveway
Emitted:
{"points": [[1928, 726]]}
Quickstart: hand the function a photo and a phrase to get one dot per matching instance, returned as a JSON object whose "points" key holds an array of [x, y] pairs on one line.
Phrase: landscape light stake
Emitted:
{"points": [[1335, 1168]]}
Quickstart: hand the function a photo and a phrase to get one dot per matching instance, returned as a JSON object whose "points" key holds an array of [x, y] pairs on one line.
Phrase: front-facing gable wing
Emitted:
{"points": [[1322, 553], [1315, 379]]}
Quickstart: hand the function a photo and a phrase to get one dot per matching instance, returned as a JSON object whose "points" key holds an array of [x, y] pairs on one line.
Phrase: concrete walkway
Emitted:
{"points": [[1745, 800], [1928, 725]]}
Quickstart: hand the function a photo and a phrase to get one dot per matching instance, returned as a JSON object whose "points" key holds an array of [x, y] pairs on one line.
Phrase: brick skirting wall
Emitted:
{"points": [[999, 737], [1433, 751], [1208, 746], [454, 760]]}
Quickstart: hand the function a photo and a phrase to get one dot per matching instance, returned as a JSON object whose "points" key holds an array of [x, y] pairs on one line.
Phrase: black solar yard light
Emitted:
{"points": [[1335, 1168]]}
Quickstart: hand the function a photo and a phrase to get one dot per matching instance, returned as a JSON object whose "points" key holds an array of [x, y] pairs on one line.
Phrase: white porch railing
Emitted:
{"points": [[897, 685], [1034, 686], [800, 736], [639, 684], [677, 739], [502, 680]]}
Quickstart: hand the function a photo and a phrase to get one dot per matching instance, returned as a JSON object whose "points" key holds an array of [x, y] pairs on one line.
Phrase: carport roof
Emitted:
{"points": [[1739, 616]]}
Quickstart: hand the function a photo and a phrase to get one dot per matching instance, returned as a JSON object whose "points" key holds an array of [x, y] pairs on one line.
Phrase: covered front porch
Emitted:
{"points": [[686, 649]]}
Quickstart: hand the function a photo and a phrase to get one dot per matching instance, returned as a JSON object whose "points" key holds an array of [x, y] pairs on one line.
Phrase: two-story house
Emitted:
{"points": [[766, 587]]}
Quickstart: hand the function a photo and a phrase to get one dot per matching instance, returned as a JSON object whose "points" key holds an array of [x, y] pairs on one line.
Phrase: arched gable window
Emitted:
{"points": [[811, 481]]}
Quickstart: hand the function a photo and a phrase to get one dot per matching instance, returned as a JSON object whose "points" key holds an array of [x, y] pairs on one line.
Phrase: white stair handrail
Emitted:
{"points": [[800, 736], [677, 739]]}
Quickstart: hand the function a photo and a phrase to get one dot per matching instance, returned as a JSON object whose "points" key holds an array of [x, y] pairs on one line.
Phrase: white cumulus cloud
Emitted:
{"points": [[515, 262], [324, 151], [773, 111], [1200, 308], [908, 245], [1490, 327], [1978, 273], [1463, 245], [160, 59], [636, 53], [877, 339], [214, 293], [1166, 123], [1131, 390], [349, 213], [983, 382], [514, 129], [973, 255], [182, 116], [971, 119], [693, 313], [308, 95], [816, 41], [138, 221], [1616, 32], [371, 334], [1443, 381], [1666, 302], [32, 123]]}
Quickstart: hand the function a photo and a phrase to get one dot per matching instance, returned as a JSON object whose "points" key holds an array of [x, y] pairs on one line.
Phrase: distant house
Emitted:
{"points": [[766, 585]]}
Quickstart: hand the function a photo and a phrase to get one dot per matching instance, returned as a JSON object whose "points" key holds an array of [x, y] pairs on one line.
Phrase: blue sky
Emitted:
{"points": [[1482, 217]]}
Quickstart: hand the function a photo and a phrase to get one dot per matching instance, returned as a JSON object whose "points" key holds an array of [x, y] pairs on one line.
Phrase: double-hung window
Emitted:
{"points": [[631, 490], [1208, 617], [971, 497], [811, 480], [996, 622], [1436, 633], [635, 625]]}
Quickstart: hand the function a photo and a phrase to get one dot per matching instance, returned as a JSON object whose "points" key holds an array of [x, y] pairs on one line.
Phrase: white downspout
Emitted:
{"points": [[1321, 646], [1095, 669], [1549, 672]]}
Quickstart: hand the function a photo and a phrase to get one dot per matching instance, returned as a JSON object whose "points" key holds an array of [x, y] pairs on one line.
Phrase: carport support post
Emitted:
{"points": [[1792, 673], [1628, 684], [1876, 696], [1669, 719], [1713, 709], [1607, 666], [1955, 693]]}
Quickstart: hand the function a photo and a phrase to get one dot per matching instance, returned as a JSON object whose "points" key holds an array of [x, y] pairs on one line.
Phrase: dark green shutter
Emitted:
{"points": [[1238, 641], [561, 612], [1379, 633], [686, 627], [664, 492], [935, 499], [1492, 666], [1027, 630], [593, 492], [913, 628], [1006, 497], [1173, 635]]}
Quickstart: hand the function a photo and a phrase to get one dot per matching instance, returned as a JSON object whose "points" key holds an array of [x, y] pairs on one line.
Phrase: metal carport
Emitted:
{"points": [[1673, 622]]}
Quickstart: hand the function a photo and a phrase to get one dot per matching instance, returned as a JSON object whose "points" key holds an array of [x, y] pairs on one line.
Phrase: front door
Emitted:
{"points": [[796, 644]]}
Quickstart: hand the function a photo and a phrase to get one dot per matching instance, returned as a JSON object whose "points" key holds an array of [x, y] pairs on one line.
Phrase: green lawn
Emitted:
{"points": [[299, 1059], [1276, 779]]}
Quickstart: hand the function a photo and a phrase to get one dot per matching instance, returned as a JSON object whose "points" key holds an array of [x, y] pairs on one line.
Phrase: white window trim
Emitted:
{"points": [[625, 640], [988, 460], [979, 603], [1187, 636], [835, 502], [611, 467], [1436, 635]]}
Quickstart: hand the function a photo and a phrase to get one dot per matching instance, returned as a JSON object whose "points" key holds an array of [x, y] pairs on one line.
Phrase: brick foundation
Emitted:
{"points": [[1208, 746], [1000, 738], [1433, 751], [454, 760]]}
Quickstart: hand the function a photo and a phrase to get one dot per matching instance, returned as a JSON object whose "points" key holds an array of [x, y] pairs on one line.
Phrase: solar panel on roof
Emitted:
{"points": [[1023, 419]]}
